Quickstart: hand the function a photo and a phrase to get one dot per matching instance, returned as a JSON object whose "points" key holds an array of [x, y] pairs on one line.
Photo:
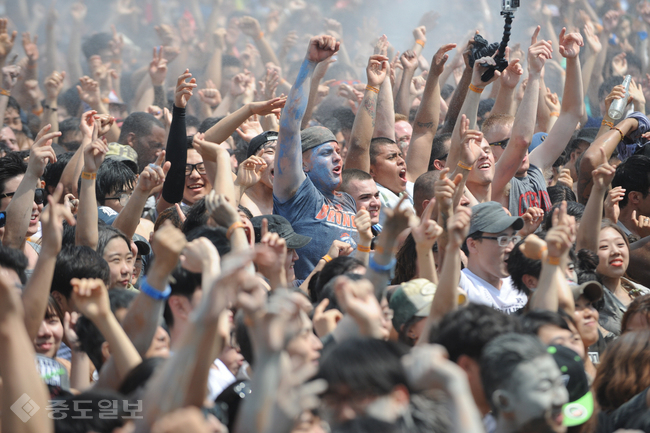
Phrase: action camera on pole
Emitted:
{"points": [[483, 48]]}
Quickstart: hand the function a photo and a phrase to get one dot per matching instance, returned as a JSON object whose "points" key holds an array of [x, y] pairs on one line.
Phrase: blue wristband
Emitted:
{"points": [[381, 268], [153, 293]]}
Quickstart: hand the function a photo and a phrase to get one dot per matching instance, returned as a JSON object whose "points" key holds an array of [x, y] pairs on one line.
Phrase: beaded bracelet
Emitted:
{"points": [[607, 123], [619, 131]]}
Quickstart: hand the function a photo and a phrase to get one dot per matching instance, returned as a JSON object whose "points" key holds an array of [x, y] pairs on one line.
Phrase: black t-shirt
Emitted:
{"points": [[624, 416]]}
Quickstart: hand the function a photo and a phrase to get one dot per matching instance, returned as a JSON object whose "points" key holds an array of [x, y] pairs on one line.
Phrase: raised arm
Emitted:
{"points": [[91, 298], [446, 296], [143, 317], [229, 124], [251, 27], [289, 174], [426, 121], [589, 230], [21, 381], [53, 86], [37, 289], [87, 214], [152, 177], [505, 100], [524, 124], [425, 235], [20, 207], [572, 109], [364, 122], [409, 61], [469, 109], [176, 151]]}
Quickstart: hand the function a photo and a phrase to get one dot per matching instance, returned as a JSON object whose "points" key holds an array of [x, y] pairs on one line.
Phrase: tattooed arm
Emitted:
{"points": [[427, 118], [364, 122], [288, 158]]}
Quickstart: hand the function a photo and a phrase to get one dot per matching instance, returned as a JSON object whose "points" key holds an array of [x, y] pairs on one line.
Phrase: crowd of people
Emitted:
{"points": [[301, 216]]}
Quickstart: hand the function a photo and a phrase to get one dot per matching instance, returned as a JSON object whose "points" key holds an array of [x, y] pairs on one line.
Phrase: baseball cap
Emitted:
{"points": [[411, 299], [587, 134], [591, 290], [144, 248], [106, 214], [126, 154], [581, 401], [260, 141], [537, 140], [314, 136], [280, 225], [490, 217]]}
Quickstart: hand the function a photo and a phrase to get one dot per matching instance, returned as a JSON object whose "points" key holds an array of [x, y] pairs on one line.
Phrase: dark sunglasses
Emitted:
{"points": [[39, 195], [502, 144], [3, 219]]}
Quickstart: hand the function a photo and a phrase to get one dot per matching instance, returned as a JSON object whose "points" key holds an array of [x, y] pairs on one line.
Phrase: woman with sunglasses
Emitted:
{"points": [[21, 195]]}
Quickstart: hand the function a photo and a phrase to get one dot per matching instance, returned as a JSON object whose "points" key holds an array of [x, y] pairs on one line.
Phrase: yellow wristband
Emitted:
{"points": [[37, 112], [555, 114], [4, 92], [88, 176], [372, 88], [233, 227], [420, 42], [475, 89], [327, 258], [464, 166], [363, 249], [551, 260]]}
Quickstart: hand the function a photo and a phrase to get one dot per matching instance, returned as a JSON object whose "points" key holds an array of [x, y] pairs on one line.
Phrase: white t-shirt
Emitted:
{"points": [[219, 378], [507, 299]]}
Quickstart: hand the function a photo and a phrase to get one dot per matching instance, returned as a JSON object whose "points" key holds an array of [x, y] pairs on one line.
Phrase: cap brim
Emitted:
{"points": [[424, 311], [516, 223], [296, 241], [578, 412], [143, 248], [593, 291]]}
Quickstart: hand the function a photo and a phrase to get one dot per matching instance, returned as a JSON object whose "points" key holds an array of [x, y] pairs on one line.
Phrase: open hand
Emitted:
{"points": [[184, 90], [440, 58], [6, 40]]}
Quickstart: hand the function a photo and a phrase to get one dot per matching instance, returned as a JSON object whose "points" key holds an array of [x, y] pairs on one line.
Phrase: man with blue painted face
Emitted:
{"points": [[308, 171]]}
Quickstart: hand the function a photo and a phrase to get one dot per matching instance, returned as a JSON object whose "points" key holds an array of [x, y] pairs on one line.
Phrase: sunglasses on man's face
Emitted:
{"points": [[39, 195], [502, 144]]}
